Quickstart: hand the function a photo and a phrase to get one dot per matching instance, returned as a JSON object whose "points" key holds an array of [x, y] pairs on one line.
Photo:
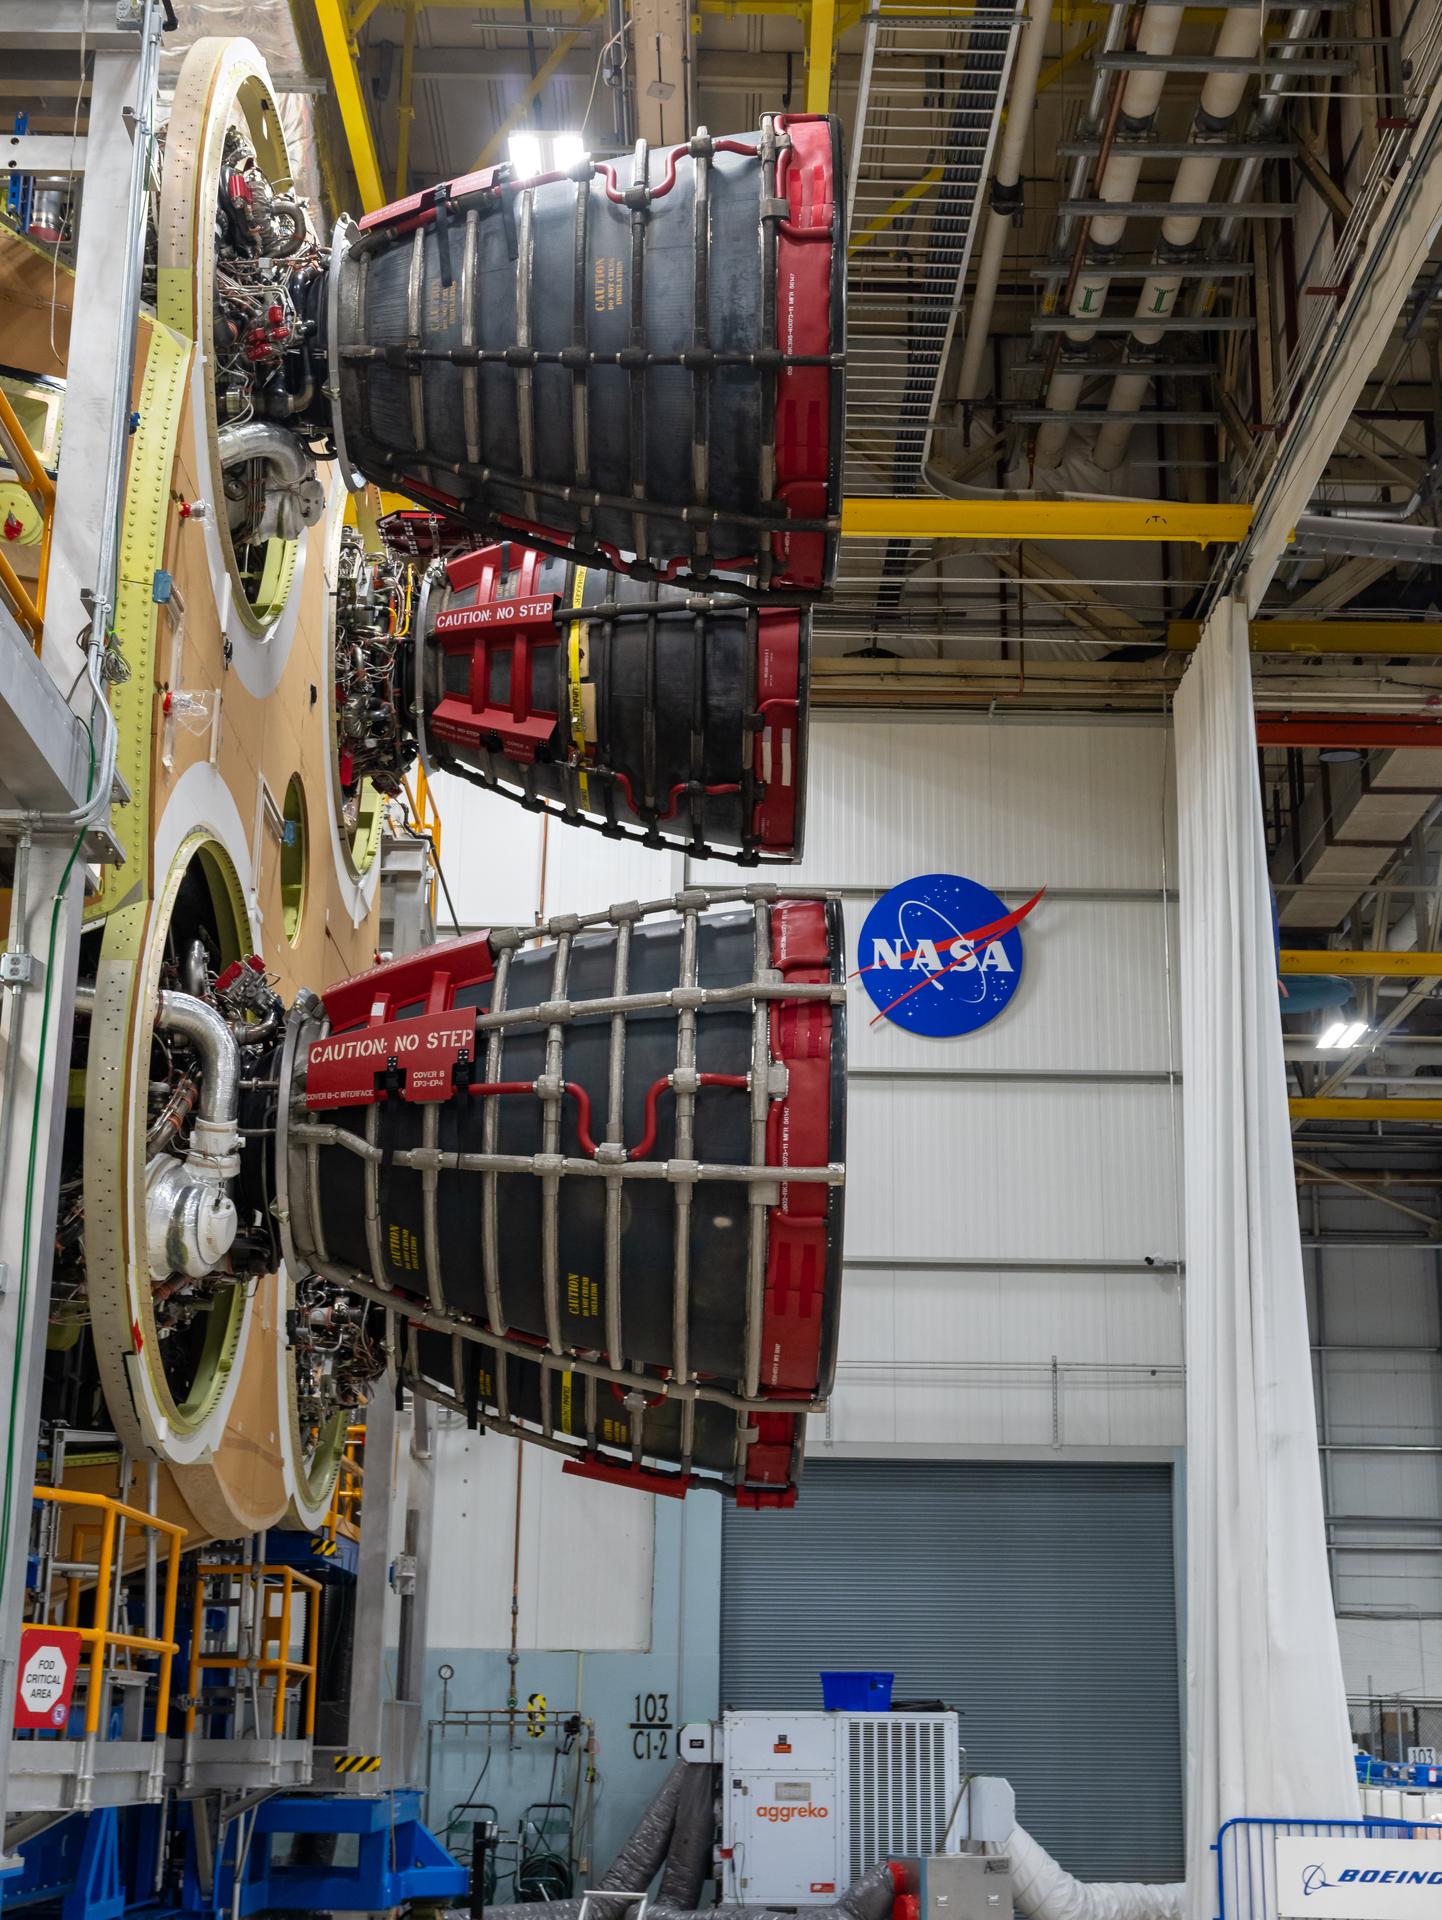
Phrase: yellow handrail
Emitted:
{"points": [[271, 1629], [426, 819], [349, 1488], [98, 1638], [37, 483]]}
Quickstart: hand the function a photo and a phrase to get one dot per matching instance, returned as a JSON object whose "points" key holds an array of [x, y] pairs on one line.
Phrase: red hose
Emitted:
{"points": [[583, 1104]]}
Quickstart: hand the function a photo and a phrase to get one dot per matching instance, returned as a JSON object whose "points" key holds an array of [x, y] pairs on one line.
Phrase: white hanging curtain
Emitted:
{"points": [[1267, 1730]]}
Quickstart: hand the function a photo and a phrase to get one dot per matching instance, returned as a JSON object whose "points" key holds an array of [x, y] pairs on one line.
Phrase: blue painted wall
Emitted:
{"points": [[683, 1663]]}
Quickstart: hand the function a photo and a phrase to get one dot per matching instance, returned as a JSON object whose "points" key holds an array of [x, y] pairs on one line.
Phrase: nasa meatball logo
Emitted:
{"points": [[940, 955]]}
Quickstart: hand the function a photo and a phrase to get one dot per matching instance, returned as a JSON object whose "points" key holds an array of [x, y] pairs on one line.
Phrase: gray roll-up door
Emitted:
{"points": [[1039, 1600]]}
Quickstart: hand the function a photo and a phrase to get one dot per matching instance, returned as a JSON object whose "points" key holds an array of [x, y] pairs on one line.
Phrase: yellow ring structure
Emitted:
{"points": [[220, 81], [145, 1412]]}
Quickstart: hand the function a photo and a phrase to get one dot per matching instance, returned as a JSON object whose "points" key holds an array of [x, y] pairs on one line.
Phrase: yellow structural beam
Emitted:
{"points": [[1364, 1109], [337, 33], [927, 518], [1364, 964], [820, 50], [1324, 636]]}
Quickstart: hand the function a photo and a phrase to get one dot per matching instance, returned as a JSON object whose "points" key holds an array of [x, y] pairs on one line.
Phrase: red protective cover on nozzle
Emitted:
{"points": [[805, 248], [399, 1015], [798, 1132], [777, 763], [492, 630]]}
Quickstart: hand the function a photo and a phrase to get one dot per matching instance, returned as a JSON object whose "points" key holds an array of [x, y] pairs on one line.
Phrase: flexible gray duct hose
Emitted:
{"points": [[634, 1867], [688, 1860], [644, 1849]]}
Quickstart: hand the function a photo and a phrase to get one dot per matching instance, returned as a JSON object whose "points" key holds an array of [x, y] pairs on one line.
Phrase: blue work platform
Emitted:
{"points": [[380, 1856]]}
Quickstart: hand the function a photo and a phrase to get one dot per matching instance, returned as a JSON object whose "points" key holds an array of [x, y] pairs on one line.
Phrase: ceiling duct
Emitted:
{"points": [[1368, 539]]}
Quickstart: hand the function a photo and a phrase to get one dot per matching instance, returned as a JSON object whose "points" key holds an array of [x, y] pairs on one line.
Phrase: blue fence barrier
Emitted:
{"points": [[1246, 1851]]}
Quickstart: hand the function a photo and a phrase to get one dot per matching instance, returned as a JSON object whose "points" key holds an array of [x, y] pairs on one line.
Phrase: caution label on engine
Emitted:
{"points": [[497, 613], [343, 1071]]}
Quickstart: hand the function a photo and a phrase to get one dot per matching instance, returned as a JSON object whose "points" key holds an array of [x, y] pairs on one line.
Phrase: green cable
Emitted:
{"points": [[7, 1508]]}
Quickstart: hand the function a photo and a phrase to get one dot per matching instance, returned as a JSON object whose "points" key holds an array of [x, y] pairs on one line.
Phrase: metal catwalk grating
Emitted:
{"points": [[928, 109]]}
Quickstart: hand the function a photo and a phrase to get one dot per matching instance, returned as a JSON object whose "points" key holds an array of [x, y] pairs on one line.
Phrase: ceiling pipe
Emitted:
{"points": [[1006, 196], [1268, 112], [1240, 38], [1140, 96]]}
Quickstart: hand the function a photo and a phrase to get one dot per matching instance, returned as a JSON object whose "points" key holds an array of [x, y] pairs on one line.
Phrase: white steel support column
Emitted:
{"points": [[121, 38], [1391, 259], [420, 1515], [661, 64]]}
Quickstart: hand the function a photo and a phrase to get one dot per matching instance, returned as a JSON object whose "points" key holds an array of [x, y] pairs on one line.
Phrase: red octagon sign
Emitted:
{"points": [[49, 1657]]}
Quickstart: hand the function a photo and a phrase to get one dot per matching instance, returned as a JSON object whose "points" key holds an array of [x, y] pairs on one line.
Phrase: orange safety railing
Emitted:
{"points": [[37, 483], [98, 1638], [346, 1495], [272, 1637]]}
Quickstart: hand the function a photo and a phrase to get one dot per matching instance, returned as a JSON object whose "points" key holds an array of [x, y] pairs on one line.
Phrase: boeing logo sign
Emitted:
{"points": [[1322, 1877], [940, 955]]}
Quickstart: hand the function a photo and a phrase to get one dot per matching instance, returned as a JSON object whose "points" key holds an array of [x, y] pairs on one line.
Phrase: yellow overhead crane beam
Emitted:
{"points": [[927, 517], [1324, 636], [1363, 964], [1364, 1109]]}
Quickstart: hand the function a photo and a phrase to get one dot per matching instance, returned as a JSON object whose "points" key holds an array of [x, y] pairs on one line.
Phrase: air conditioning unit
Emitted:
{"points": [[811, 1800]]}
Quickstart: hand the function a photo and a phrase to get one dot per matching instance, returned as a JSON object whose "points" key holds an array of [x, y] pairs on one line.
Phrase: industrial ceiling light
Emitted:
{"points": [[533, 154], [525, 152], [1342, 1033]]}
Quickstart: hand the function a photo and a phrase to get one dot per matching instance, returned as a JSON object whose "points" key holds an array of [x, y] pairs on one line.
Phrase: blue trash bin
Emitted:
{"points": [[856, 1692]]}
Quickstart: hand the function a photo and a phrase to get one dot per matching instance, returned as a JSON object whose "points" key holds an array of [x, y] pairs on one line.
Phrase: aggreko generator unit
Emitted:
{"points": [[811, 1800]]}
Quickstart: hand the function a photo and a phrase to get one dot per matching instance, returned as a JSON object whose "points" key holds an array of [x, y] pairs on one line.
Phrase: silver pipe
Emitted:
{"points": [[1377, 510], [260, 440], [1091, 120], [208, 1033]]}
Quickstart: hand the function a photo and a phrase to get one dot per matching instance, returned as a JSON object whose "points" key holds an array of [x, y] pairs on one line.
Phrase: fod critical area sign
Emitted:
{"points": [[49, 1657], [1357, 1878]]}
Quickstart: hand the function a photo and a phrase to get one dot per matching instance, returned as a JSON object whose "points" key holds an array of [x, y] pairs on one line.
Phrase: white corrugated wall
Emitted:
{"points": [[1377, 1364], [1006, 1190]]}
